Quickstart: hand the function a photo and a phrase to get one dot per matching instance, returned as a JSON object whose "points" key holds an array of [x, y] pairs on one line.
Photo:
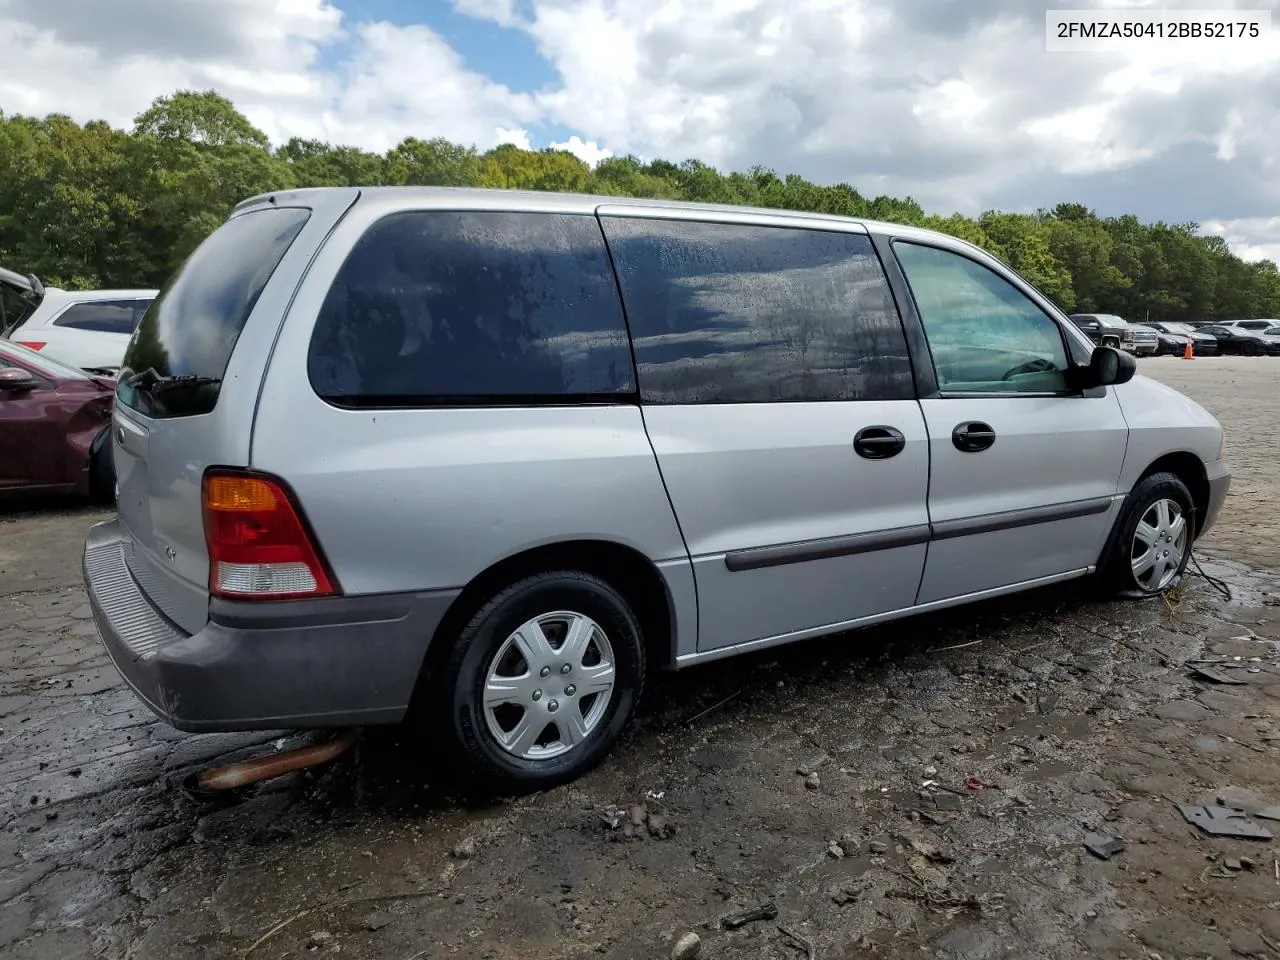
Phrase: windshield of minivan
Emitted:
{"points": [[175, 362]]}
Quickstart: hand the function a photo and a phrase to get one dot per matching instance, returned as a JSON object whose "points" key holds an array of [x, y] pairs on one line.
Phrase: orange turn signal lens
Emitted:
{"points": [[238, 494]]}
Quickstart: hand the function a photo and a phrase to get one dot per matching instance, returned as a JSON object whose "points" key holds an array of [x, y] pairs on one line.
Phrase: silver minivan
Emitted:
{"points": [[491, 455]]}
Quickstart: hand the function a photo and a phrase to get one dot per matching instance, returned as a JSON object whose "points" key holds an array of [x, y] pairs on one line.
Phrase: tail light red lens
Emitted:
{"points": [[31, 344], [259, 545]]}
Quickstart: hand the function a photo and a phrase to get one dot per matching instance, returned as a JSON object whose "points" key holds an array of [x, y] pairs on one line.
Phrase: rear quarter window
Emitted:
{"points": [[456, 307], [101, 316]]}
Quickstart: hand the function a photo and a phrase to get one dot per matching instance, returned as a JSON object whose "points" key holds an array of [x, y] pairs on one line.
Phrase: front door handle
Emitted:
{"points": [[878, 443], [973, 436]]}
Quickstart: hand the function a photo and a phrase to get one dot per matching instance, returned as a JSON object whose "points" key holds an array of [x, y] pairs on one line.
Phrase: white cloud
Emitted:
{"points": [[955, 102], [1250, 238], [588, 151]]}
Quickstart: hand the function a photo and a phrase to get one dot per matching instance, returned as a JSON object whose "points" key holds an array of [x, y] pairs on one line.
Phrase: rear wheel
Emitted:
{"points": [[1250, 349], [542, 680], [1153, 541]]}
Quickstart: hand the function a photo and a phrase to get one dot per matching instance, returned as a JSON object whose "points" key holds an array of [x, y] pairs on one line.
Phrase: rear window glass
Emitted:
{"points": [[454, 307], [101, 316], [175, 362]]}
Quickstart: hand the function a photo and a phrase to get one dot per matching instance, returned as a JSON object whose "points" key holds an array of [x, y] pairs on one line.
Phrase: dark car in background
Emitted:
{"points": [[1174, 338], [1240, 342], [1104, 329], [55, 425]]}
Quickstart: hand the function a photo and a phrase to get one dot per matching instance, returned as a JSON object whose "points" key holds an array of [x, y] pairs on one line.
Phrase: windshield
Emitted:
{"points": [[1179, 328], [46, 365], [176, 359]]}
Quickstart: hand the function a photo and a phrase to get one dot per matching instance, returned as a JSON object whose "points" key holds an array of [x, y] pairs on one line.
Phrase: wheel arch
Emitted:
{"points": [[1190, 469], [624, 568]]}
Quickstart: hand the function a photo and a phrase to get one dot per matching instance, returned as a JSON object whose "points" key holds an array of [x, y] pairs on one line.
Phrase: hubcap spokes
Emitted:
{"points": [[1159, 544], [549, 685]]}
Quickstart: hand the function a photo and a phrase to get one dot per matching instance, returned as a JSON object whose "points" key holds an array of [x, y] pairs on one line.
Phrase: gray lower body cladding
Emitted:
{"points": [[262, 666]]}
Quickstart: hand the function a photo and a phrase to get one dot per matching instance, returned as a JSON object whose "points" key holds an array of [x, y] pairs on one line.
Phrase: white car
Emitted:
{"points": [[88, 329]]}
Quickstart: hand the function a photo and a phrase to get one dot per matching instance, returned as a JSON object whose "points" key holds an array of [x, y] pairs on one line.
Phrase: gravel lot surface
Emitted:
{"points": [[919, 790]]}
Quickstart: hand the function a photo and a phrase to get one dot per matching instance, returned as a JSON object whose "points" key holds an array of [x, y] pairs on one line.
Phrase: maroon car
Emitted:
{"points": [[55, 426]]}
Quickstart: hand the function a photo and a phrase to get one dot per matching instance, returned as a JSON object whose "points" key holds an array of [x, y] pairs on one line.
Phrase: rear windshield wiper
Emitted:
{"points": [[153, 382]]}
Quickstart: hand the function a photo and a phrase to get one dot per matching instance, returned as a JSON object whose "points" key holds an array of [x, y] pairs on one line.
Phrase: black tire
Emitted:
{"points": [[490, 765], [1250, 349], [1117, 570], [102, 471]]}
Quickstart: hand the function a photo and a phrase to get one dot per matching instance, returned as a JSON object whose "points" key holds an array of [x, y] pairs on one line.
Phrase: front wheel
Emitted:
{"points": [[542, 680], [1153, 540]]}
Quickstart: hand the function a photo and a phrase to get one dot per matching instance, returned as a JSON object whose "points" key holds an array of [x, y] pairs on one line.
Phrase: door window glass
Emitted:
{"points": [[985, 335], [741, 313]]}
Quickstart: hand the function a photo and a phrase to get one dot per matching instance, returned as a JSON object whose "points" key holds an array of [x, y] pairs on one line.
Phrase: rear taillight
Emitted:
{"points": [[31, 344], [259, 545]]}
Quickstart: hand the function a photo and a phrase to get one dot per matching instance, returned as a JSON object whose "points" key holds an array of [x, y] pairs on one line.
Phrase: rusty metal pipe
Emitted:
{"points": [[242, 774]]}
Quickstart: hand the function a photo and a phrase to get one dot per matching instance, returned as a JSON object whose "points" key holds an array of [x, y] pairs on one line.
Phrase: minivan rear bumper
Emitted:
{"points": [[334, 662]]}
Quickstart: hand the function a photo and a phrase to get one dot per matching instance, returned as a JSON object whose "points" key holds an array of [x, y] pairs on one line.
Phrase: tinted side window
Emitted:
{"points": [[985, 335], [104, 316], [447, 306], [733, 313]]}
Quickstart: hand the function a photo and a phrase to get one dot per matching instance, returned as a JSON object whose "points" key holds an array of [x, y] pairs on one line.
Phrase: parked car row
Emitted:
{"points": [[1249, 338]]}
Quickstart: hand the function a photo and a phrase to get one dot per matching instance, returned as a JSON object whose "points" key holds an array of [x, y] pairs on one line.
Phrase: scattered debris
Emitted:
{"points": [[1214, 675], [376, 921], [1224, 822], [805, 769], [764, 911], [1271, 813], [931, 771], [876, 846], [639, 821], [813, 781], [687, 947], [835, 851], [925, 844], [464, 849], [1102, 846], [1233, 863], [801, 942]]}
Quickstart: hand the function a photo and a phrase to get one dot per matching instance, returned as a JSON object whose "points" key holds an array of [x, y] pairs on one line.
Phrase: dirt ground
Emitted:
{"points": [[924, 789]]}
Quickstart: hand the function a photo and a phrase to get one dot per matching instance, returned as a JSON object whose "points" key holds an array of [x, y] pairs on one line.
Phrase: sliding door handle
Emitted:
{"points": [[878, 443], [973, 437]]}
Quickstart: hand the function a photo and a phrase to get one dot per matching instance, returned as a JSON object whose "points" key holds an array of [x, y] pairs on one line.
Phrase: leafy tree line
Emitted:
{"points": [[93, 206]]}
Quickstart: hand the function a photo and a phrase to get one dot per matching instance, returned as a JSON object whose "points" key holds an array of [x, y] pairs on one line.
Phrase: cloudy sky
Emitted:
{"points": [[955, 102]]}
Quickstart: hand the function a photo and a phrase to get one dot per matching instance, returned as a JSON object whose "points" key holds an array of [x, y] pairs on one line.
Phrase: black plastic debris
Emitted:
{"points": [[1224, 822], [765, 911], [1102, 846]]}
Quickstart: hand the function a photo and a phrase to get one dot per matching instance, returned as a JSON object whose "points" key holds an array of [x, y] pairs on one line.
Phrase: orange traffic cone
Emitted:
{"points": [[1188, 353]]}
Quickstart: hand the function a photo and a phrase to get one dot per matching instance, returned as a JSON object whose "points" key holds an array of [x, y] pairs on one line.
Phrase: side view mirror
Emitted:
{"points": [[13, 379], [1109, 366]]}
